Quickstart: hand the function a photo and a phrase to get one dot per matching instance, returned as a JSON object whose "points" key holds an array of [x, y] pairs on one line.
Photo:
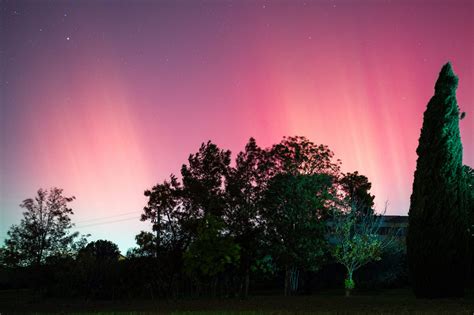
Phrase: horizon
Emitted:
{"points": [[108, 108]]}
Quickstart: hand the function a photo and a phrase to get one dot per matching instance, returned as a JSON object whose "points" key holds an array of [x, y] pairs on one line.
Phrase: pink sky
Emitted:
{"points": [[119, 105]]}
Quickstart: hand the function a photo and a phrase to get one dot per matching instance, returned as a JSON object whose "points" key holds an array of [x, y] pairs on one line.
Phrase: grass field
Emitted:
{"points": [[384, 302]]}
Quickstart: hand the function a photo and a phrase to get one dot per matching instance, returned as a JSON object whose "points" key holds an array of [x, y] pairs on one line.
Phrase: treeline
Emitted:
{"points": [[284, 218]]}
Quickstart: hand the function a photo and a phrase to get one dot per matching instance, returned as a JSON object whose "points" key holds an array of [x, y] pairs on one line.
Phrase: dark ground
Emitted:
{"points": [[329, 302]]}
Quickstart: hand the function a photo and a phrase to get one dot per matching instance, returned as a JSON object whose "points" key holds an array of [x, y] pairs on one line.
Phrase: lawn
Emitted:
{"points": [[383, 302]]}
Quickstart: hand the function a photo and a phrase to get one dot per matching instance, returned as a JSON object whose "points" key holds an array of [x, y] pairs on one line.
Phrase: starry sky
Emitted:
{"points": [[106, 98]]}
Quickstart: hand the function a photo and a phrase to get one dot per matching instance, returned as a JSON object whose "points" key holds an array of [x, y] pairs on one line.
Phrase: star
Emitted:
{"points": [[68, 38]]}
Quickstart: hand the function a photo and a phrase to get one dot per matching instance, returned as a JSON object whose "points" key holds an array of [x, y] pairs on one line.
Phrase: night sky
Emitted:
{"points": [[106, 98]]}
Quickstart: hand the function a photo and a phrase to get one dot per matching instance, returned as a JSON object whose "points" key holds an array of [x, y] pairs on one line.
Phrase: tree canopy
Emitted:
{"points": [[438, 237], [44, 230]]}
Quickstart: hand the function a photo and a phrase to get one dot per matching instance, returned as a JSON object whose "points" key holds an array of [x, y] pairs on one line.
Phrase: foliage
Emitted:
{"points": [[97, 265], [101, 250], [357, 239], [211, 252], [437, 240], [469, 186], [217, 229], [165, 211], [357, 188], [294, 209], [203, 181], [245, 184], [298, 155], [146, 242], [264, 265], [44, 230], [349, 284]]}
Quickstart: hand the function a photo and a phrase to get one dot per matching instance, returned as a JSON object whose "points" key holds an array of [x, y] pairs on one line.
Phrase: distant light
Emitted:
{"points": [[68, 38]]}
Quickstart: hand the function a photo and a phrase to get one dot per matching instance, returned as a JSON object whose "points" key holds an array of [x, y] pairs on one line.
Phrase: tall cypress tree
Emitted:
{"points": [[437, 240]]}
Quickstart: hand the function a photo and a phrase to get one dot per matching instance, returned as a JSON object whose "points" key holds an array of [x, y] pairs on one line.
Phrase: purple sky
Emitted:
{"points": [[107, 98]]}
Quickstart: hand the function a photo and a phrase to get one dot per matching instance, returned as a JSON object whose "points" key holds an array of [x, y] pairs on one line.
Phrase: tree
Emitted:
{"points": [[203, 181], [211, 253], [178, 210], [298, 155], [44, 230], [356, 240], [173, 227], [437, 239], [101, 250], [302, 179], [357, 188], [245, 184], [293, 210], [469, 180], [146, 245], [165, 211], [97, 265]]}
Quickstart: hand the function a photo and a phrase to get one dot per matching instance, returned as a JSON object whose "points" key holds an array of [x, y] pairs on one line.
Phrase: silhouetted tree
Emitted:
{"points": [[294, 210], [357, 188], [178, 210], [173, 227], [166, 213], [298, 155], [437, 240], [203, 181], [146, 245], [44, 230], [204, 196], [98, 267], [101, 250], [245, 185]]}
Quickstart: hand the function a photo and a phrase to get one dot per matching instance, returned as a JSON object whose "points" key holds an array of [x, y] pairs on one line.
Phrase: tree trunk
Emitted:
{"points": [[294, 278], [291, 280], [349, 284], [247, 283]]}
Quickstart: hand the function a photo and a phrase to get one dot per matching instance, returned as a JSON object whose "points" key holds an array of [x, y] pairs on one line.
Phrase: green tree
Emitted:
{"points": [[44, 230], [469, 180], [437, 240], [293, 211], [469, 175], [211, 252], [301, 181], [357, 240]]}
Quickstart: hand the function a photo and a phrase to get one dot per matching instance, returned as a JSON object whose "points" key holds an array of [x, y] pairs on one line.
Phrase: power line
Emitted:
{"points": [[106, 222], [110, 216]]}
